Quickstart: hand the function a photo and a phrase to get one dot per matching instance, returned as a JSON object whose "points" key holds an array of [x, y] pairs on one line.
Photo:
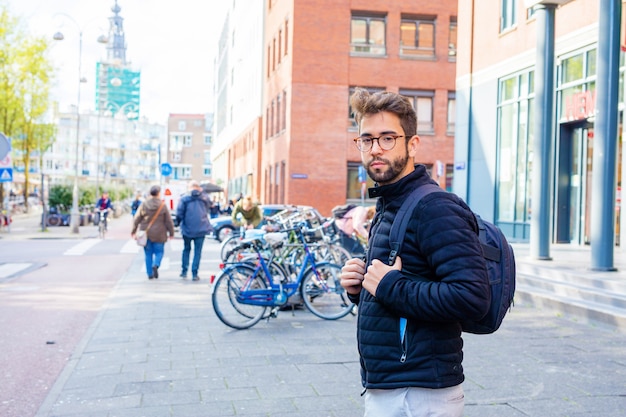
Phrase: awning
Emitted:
{"points": [[207, 187]]}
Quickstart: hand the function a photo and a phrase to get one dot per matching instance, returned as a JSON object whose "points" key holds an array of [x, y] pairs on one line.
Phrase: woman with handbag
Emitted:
{"points": [[152, 225]]}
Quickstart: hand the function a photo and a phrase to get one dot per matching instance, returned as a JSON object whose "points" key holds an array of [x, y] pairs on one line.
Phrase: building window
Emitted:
{"points": [[452, 33], [272, 115], [207, 170], [175, 156], [514, 156], [279, 113], [176, 143], [284, 115], [423, 104], [367, 35], [207, 157], [350, 92], [450, 127], [286, 36], [280, 45], [187, 141], [417, 37], [182, 125], [208, 139], [577, 86], [181, 172], [508, 14]]}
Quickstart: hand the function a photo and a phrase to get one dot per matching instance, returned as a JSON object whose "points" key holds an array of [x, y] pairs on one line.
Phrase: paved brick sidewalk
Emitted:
{"points": [[158, 350]]}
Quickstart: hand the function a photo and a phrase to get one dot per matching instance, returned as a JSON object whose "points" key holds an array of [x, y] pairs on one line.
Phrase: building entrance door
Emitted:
{"points": [[574, 169]]}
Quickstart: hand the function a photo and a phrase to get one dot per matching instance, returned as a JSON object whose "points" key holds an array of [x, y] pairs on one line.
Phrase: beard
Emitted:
{"points": [[395, 168]]}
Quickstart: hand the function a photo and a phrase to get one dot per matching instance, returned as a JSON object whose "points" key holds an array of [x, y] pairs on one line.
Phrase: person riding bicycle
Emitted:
{"points": [[103, 205]]}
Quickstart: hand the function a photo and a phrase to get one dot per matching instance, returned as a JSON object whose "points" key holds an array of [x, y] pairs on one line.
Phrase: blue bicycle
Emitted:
{"points": [[246, 293]]}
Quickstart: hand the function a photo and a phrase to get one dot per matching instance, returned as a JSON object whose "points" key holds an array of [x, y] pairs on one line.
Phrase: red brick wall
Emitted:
{"points": [[318, 71]]}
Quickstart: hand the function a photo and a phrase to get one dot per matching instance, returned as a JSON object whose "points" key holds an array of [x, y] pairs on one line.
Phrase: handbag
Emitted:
{"points": [[141, 237]]}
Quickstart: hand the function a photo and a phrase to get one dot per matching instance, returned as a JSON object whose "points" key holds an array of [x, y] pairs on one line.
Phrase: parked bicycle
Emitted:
{"points": [[246, 293]]}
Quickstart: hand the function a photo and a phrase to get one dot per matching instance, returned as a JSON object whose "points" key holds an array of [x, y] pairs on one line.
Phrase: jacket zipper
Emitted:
{"points": [[403, 342]]}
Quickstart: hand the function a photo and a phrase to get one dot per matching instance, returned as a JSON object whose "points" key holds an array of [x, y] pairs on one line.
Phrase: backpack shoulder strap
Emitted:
{"points": [[401, 221]]}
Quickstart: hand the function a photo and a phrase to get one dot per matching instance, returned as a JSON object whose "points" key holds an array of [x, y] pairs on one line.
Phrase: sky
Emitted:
{"points": [[172, 43]]}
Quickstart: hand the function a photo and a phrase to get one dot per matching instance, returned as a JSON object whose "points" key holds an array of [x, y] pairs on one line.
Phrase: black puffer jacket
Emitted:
{"points": [[443, 281]]}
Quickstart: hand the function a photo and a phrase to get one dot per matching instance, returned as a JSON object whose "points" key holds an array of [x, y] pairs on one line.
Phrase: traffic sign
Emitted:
{"points": [[5, 146], [362, 174], [6, 174], [166, 169]]}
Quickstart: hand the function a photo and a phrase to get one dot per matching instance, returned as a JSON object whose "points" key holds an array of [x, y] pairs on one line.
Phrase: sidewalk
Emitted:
{"points": [[28, 226], [157, 349]]}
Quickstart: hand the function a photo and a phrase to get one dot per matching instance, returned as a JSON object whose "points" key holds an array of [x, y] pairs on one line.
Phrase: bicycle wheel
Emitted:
{"points": [[228, 246], [101, 229], [322, 293], [226, 290]]}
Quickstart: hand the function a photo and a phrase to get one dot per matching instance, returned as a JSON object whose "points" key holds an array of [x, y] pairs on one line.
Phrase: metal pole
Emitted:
{"points": [[605, 138], [542, 146], [98, 156], [75, 216]]}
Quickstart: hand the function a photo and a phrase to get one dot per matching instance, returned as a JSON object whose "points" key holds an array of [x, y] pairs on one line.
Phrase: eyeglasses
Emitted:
{"points": [[386, 142]]}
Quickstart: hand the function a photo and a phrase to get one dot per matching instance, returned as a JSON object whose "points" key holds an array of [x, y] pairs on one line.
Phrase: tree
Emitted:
{"points": [[33, 91], [25, 79]]}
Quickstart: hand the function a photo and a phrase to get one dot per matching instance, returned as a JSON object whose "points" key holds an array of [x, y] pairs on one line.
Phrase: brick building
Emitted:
{"points": [[313, 55], [189, 140]]}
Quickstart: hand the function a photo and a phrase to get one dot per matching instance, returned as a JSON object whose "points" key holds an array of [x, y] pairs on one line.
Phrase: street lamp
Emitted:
{"points": [[58, 36]]}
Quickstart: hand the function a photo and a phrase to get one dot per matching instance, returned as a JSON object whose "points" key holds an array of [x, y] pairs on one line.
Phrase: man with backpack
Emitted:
{"points": [[411, 306]]}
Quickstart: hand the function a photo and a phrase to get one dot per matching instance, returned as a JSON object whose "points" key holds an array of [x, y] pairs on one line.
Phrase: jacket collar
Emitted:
{"points": [[400, 188]]}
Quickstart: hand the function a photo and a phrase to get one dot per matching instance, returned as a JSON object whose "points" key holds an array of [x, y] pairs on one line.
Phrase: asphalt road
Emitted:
{"points": [[51, 290]]}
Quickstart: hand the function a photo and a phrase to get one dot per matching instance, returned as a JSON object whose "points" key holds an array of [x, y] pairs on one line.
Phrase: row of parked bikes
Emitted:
{"points": [[294, 261]]}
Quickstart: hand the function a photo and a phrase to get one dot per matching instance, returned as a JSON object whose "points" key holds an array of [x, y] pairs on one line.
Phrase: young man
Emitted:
{"points": [[439, 279], [192, 215]]}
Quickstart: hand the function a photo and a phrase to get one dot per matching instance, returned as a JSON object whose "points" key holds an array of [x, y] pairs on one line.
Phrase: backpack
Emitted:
{"points": [[498, 254], [340, 211]]}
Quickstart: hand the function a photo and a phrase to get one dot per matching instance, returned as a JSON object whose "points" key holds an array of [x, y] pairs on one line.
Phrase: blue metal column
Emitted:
{"points": [[542, 146], [605, 138]]}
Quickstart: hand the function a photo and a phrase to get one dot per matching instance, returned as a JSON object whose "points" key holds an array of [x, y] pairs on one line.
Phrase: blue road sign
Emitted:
{"points": [[362, 174], [6, 174], [166, 169], [5, 146]]}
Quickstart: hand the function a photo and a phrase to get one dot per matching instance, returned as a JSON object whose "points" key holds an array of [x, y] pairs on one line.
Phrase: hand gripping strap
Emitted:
{"points": [[401, 221]]}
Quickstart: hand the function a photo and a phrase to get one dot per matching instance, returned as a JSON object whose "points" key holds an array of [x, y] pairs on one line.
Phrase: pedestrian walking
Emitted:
{"points": [[192, 215], [155, 219], [410, 313], [215, 209], [135, 205]]}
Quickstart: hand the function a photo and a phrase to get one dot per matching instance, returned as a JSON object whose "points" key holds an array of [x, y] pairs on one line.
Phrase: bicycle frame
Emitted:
{"points": [[276, 294]]}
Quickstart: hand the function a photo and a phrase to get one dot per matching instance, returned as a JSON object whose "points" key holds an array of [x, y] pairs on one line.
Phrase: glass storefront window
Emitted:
{"points": [[506, 190], [515, 130], [507, 89], [572, 69]]}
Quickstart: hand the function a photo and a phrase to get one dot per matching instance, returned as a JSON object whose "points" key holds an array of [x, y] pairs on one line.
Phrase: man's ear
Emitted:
{"points": [[413, 144]]}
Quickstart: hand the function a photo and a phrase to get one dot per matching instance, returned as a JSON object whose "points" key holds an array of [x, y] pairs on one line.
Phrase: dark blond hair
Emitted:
{"points": [[364, 103]]}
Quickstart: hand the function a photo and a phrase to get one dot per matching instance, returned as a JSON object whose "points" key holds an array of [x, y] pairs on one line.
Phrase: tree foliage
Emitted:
{"points": [[25, 81]]}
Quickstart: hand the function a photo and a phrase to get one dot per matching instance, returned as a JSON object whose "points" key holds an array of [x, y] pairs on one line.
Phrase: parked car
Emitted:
{"points": [[223, 226]]}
